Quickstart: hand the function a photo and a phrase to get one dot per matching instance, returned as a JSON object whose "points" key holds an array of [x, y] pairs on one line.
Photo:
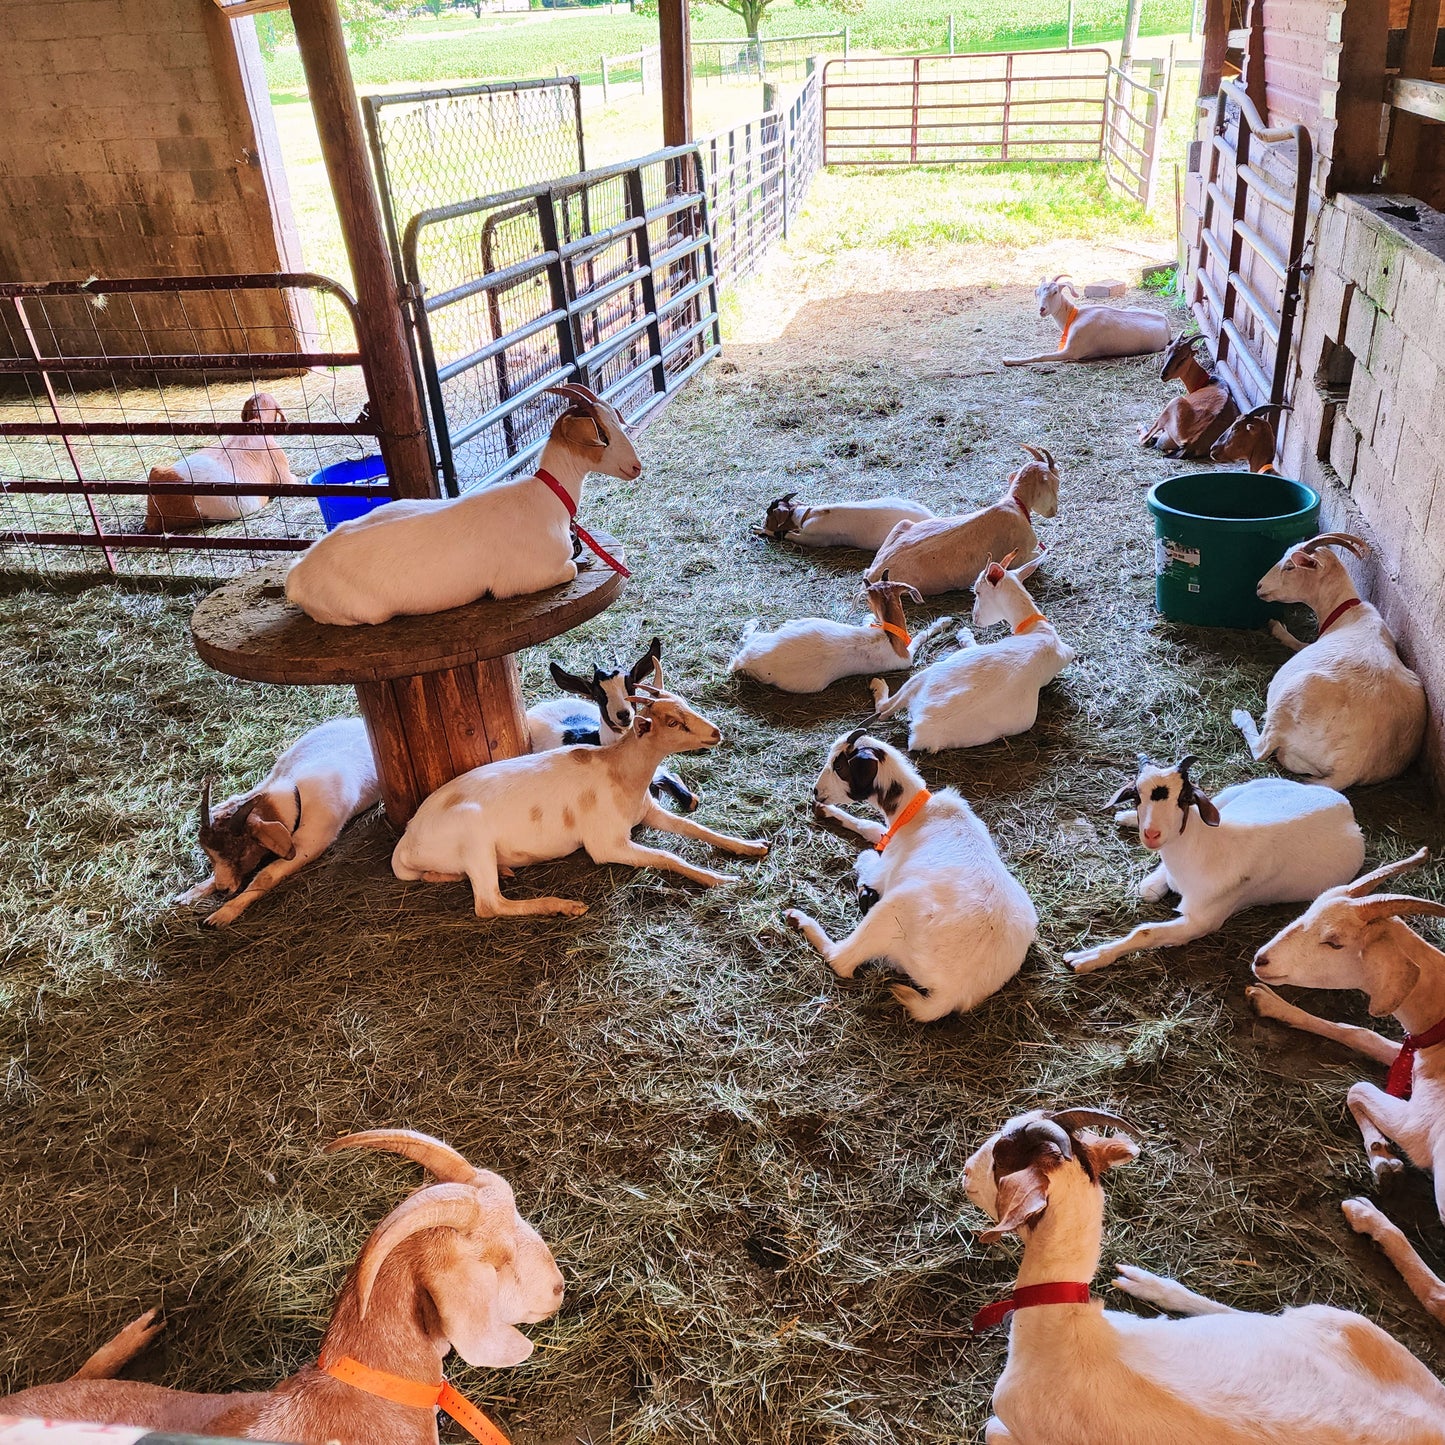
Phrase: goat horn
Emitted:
{"points": [[1007, 560], [1268, 406], [1392, 905], [1347, 540], [438, 1159], [206, 806], [1071, 1119], [438, 1206], [1062, 276], [1035, 452], [573, 392], [1371, 881], [1184, 764]]}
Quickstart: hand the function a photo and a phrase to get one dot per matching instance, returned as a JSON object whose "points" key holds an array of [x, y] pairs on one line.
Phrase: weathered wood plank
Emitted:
{"points": [[499, 689], [461, 712], [400, 794]]}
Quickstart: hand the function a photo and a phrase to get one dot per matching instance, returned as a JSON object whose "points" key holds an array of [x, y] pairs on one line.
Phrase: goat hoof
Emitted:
{"points": [[1361, 1215], [1387, 1169], [867, 897], [1086, 960], [690, 806], [796, 918]]}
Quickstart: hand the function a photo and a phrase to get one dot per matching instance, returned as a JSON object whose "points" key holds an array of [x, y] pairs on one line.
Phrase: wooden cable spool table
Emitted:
{"points": [[440, 693]]}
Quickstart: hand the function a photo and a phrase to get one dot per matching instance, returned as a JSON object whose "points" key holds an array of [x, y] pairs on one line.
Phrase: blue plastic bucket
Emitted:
{"points": [[336, 510]]}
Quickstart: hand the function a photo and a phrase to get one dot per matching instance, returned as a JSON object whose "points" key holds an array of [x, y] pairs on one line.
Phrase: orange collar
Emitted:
{"points": [[416, 1393], [1268, 467], [904, 818], [1069, 320], [899, 632], [1029, 623]]}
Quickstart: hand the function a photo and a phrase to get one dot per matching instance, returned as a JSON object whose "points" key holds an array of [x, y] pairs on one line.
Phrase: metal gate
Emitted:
{"points": [[1245, 281], [1131, 137], [605, 277]]}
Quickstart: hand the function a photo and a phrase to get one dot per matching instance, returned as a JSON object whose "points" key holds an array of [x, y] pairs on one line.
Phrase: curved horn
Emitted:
{"points": [[574, 393], [1008, 561], [438, 1159], [1062, 276], [1037, 453], [1393, 905], [1371, 881], [1049, 458], [1347, 540], [1071, 1119], [1268, 406], [438, 1206], [1184, 764], [206, 806]]}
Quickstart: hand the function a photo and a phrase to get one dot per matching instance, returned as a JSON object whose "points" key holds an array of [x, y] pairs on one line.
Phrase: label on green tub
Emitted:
{"points": [[1177, 561]]}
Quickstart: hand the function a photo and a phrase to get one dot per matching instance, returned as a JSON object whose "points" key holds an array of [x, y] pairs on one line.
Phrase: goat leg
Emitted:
{"points": [[1420, 1279], [261, 884], [674, 788], [1169, 934], [1166, 1294], [870, 832], [116, 1353], [665, 822], [641, 856], [1381, 1117], [1269, 1005]]}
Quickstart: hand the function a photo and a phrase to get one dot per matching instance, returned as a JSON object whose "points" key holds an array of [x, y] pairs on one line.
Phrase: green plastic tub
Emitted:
{"points": [[1216, 534]]}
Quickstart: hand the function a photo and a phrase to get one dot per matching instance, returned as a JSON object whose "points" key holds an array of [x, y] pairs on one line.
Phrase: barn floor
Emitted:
{"points": [[748, 1171]]}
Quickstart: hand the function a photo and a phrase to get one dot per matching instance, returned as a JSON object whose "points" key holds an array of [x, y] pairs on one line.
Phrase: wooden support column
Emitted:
{"points": [[1216, 42], [396, 407], [1131, 36], [675, 39], [1364, 33], [1415, 64]]}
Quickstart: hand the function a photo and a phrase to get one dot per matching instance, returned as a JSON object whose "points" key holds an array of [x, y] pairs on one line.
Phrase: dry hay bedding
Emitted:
{"points": [[748, 1170]]}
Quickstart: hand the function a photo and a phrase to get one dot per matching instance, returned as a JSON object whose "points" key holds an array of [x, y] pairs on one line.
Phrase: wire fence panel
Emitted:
{"points": [[606, 277], [108, 387], [640, 71], [774, 57], [1131, 137], [1031, 105]]}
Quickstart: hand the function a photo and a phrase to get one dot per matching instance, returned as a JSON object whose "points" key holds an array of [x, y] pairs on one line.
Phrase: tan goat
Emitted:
{"points": [[1093, 333], [1190, 424]]}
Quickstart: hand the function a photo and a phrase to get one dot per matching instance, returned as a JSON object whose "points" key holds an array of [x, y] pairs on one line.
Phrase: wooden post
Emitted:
{"points": [[396, 407], [1364, 33], [675, 39], [1131, 35], [1415, 64], [1216, 42]]}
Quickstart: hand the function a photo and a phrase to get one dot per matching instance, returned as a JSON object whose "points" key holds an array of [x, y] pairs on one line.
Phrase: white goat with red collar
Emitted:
{"points": [[1347, 939], [1078, 1374], [979, 694], [1344, 709], [1269, 840], [946, 913], [1092, 333]]}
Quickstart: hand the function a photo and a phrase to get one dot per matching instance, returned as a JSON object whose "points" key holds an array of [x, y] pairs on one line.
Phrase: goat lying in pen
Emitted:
{"points": [[1344, 709], [1269, 840], [981, 693], [252, 461], [1190, 424], [1078, 1374], [1251, 440], [949, 916], [1091, 333], [604, 718], [838, 524], [453, 1267], [547, 805], [505, 540], [810, 653], [947, 553], [257, 839], [1348, 939]]}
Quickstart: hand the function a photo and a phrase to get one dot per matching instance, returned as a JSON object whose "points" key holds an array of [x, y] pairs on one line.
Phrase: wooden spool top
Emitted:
{"points": [[248, 629]]}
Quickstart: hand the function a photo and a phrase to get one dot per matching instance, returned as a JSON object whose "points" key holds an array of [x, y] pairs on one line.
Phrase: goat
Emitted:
{"points": [[979, 694], [1090, 333], [1077, 1372], [453, 1267], [944, 554], [320, 783], [1250, 439], [1269, 840], [838, 524], [604, 718], [547, 805], [511, 538], [252, 461], [949, 916], [1348, 939], [810, 653], [1191, 424], [1344, 709]]}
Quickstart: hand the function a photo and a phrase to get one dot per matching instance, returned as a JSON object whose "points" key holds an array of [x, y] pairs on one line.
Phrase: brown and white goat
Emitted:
{"points": [[453, 1267], [1092, 333], [250, 461], [1250, 439], [1190, 424], [838, 524]]}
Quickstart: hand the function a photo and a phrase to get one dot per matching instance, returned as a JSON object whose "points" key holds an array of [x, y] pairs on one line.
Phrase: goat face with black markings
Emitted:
{"points": [[851, 772]]}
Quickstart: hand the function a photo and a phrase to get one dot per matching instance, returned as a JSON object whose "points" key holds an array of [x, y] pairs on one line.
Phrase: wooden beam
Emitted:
{"points": [[1216, 42], [1406, 123], [396, 407], [1254, 61], [1364, 34], [675, 37], [1425, 98]]}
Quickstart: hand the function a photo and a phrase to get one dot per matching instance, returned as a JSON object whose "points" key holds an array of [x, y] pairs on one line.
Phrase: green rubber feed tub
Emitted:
{"points": [[1216, 534]]}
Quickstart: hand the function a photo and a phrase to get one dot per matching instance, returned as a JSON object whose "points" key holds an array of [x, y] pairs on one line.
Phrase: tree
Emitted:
{"points": [[752, 11]]}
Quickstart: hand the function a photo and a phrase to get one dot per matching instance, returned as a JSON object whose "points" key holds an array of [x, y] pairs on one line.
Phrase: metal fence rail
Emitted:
{"points": [[772, 57], [102, 381], [606, 277], [1131, 136], [646, 63], [1035, 105]]}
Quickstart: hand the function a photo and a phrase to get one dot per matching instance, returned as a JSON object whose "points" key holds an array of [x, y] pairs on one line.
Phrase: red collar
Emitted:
{"points": [[904, 818], [1022, 505], [1338, 613], [1402, 1071], [1026, 1297], [419, 1394], [583, 536]]}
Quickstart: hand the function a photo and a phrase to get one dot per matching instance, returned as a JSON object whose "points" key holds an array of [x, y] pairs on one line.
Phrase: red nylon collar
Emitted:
{"points": [[1338, 613], [1023, 506], [1402, 1072], [1026, 1297], [583, 536], [419, 1394]]}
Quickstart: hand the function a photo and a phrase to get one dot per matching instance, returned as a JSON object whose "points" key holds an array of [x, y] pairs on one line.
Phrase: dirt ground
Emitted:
{"points": [[748, 1170]]}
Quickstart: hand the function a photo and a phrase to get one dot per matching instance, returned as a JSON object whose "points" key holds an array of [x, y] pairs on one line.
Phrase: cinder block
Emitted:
{"points": [[1359, 250], [1326, 300], [1330, 242], [1364, 402], [1389, 423], [1414, 474], [1387, 348], [1344, 443], [1382, 285], [1417, 311], [1104, 290], [1419, 377], [186, 153], [1359, 324]]}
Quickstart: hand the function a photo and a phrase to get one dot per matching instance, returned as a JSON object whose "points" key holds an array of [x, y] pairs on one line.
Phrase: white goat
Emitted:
{"points": [[289, 819], [948, 915], [979, 694], [1349, 940], [547, 805], [839, 524], [1269, 840], [251, 461], [1090, 333], [1078, 1374], [947, 553], [452, 1267], [1344, 709], [810, 653], [504, 540], [604, 718]]}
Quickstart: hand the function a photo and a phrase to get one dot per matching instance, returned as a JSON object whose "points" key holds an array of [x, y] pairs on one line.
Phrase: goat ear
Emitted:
{"points": [[1105, 1152], [1129, 793], [1392, 974], [1206, 809], [643, 725], [862, 774], [465, 1294], [994, 575], [582, 432], [269, 829], [642, 668], [1301, 558], [1021, 1198], [569, 682]]}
